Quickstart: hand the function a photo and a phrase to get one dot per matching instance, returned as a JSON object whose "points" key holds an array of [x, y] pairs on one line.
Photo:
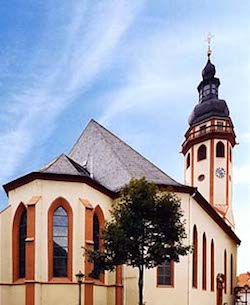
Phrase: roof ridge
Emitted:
{"points": [[77, 166], [47, 166], [123, 142], [76, 143]]}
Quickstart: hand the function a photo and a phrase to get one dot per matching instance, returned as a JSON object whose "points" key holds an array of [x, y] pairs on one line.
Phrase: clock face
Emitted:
{"points": [[220, 172]]}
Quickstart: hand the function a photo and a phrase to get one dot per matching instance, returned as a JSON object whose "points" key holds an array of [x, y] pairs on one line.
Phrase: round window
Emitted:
{"points": [[201, 177]]}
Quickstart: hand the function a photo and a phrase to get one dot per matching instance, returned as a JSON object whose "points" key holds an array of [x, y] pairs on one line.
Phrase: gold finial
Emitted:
{"points": [[208, 40]]}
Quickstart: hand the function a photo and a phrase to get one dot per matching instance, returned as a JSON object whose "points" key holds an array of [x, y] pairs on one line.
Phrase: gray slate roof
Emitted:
{"points": [[64, 165], [112, 161]]}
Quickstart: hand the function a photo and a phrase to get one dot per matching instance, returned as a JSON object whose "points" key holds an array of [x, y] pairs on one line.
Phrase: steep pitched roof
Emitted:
{"points": [[64, 165], [112, 161]]}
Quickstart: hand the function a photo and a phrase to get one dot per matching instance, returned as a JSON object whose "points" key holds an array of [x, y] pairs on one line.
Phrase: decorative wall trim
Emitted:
{"points": [[34, 200], [30, 253], [212, 265], [211, 190], [192, 166], [227, 174], [86, 203], [89, 243], [57, 177], [119, 286]]}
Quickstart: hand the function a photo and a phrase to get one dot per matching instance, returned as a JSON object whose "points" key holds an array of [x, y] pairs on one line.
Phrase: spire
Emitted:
{"points": [[209, 38], [209, 71], [209, 103]]}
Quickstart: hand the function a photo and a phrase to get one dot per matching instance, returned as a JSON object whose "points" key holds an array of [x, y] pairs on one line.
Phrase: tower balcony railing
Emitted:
{"points": [[205, 130]]}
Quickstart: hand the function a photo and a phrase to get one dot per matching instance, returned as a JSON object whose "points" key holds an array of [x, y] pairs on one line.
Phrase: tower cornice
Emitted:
{"points": [[213, 131]]}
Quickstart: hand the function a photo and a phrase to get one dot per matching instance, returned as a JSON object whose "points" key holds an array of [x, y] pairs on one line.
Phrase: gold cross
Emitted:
{"points": [[209, 38]]}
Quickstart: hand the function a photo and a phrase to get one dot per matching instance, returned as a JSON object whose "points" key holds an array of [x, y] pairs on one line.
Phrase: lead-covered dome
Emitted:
{"points": [[207, 109], [209, 71], [209, 102]]}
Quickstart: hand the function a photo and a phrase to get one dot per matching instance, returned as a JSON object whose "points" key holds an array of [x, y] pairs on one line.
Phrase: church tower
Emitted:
{"points": [[208, 146]]}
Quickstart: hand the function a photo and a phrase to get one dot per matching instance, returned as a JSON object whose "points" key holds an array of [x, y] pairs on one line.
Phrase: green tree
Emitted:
{"points": [[145, 230]]}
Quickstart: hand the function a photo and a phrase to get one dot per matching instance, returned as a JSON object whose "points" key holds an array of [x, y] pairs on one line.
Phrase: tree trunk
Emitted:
{"points": [[140, 284]]}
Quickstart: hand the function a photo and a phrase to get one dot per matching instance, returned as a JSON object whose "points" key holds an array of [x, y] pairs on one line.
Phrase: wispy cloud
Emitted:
{"points": [[162, 64], [58, 74]]}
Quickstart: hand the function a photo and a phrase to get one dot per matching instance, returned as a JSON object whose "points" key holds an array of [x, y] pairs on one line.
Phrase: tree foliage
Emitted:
{"points": [[146, 229]]}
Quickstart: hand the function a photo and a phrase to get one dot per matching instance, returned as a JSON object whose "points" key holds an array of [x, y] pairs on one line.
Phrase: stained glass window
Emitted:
{"points": [[60, 243], [22, 237]]}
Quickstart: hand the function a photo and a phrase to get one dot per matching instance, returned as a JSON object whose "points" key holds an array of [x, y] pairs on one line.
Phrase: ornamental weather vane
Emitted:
{"points": [[208, 40]]}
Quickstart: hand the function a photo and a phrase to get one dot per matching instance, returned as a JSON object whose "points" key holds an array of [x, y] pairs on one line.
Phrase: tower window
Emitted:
{"points": [[214, 89], [220, 150], [202, 153], [230, 154], [188, 161], [201, 178], [206, 90]]}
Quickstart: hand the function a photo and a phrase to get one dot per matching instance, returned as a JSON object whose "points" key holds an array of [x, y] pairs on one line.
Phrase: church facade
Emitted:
{"points": [[54, 211]]}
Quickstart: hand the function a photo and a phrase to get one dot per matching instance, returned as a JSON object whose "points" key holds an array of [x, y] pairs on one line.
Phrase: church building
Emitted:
{"points": [[54, 211]]}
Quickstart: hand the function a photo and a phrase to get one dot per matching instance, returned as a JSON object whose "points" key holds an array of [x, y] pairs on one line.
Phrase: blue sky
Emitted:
{"points": [[133, 66]]}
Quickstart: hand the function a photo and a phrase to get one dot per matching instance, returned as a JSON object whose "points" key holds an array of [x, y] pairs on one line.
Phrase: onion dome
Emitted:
{"points": [[209, 71], [208, 109], [209, 103]]}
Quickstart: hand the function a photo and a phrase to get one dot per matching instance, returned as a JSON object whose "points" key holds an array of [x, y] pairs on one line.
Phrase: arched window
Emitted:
{"points": [[96, 232], [60, 242], [188, 161], [220, 150], [22, 237], [230, 154], [204, 262], [225, 270], [60, 239], [212, 265], [19, 236], [202, 153], [195, 258], [231, 274], [98, 223]]}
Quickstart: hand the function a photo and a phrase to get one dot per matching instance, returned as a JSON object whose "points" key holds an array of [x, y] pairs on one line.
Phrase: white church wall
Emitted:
{"points": [[222, 242], [48, 191], [202, 168], [46, 293], [220, 183], [5, 246]]}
